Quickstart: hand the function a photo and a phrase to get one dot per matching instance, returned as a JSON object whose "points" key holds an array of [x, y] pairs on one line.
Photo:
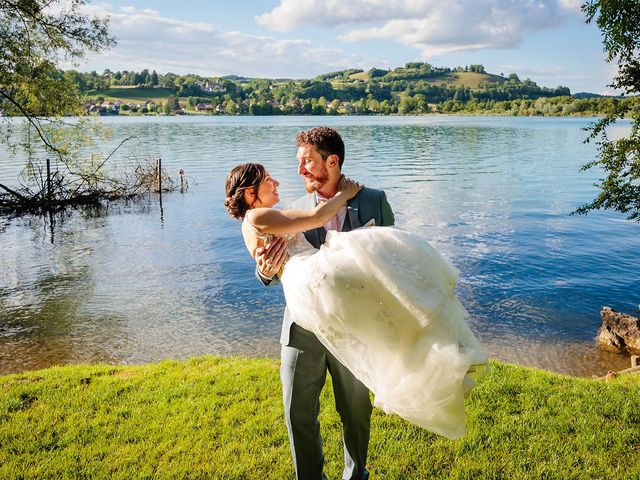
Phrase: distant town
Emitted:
{"points": [[416, 88]]}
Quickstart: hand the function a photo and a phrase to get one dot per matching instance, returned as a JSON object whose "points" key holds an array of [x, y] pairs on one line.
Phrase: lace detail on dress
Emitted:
{"points": [[296, 242]]}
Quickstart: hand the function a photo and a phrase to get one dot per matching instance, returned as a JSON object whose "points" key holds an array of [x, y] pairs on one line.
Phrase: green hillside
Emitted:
{"points": [[472, 80], [415, 88]]}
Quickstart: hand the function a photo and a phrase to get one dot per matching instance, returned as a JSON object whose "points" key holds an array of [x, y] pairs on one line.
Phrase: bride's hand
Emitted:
{"points": [[348, 187]]}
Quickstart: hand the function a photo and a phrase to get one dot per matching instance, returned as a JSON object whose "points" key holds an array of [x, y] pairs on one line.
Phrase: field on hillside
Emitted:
{"points": [[473, 80], [360, 76], [136, 94], [455, 79]]}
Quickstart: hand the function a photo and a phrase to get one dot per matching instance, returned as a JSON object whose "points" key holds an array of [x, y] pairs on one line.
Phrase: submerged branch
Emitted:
{"points": [[72, 188]]}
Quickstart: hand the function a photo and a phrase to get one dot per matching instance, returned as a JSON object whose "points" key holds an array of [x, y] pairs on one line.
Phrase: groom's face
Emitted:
{"points": [[312, 167]]}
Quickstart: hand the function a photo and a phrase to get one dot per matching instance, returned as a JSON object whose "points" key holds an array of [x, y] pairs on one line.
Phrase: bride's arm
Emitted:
{"points": [[282, 222]]}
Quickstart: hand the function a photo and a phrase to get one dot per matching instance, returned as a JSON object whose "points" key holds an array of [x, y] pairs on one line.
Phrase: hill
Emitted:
{"points": [[415, 88]]}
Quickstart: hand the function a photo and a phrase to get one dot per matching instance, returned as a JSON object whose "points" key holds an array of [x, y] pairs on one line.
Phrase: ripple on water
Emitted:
{"points": [[141, 281]]}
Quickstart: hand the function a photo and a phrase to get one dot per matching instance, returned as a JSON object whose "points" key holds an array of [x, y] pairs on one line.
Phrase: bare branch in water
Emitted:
{"points": [[83, 187]]}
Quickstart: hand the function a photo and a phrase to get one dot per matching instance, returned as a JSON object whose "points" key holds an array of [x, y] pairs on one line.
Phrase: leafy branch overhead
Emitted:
{"points": [[619, 22], [35, 35]]}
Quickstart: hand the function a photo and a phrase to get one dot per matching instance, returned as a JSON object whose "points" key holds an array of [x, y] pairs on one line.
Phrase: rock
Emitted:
{"points": [[619, 331]]}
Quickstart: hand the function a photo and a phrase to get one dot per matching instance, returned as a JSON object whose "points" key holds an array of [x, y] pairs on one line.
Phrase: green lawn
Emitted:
{"points": [[221, 418]]}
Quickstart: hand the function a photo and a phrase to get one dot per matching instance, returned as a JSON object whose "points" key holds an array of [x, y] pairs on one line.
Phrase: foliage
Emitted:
{"points": [[34, 36], [351, 91], [221, 418], [619, 158]]}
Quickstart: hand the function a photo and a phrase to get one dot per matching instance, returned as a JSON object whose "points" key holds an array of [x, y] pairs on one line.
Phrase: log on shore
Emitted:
{"points": [[619, 331]]}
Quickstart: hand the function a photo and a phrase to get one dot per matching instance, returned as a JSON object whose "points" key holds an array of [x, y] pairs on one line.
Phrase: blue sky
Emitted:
{"points": [[547, 41]]}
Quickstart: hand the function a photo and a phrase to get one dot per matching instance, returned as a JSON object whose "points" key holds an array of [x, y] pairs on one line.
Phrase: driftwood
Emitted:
{"points": [[619, 331], [611, 374], [58, 190]]}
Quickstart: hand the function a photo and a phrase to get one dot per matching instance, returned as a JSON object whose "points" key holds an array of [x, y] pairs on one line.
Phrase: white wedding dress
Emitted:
{"points": [[382, 301]]}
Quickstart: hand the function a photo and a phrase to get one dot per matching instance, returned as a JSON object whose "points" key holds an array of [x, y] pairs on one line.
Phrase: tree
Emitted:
{"points": [[34, 36], [168, 80], [619, 22], [406, 105]]}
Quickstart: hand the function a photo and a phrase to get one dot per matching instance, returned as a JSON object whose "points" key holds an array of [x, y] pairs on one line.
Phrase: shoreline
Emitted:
{"points": [[578, 359]]}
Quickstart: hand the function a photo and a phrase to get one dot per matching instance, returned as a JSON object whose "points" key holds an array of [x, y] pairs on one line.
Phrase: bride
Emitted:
{"points": [[380, 299]]}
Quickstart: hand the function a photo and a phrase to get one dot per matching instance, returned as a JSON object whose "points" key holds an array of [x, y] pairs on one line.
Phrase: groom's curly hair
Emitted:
{"points": [[326, 140], [239, 179]]}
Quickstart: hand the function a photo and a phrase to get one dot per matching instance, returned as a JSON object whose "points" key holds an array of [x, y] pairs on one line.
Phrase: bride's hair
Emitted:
{"points": [[239, 179]]}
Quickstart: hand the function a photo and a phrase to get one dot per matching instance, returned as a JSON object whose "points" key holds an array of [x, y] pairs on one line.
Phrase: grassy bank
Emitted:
{"points": [[221, 418]]}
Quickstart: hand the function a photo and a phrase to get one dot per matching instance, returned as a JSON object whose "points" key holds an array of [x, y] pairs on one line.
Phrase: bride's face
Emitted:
{"points": [[268, 195]]}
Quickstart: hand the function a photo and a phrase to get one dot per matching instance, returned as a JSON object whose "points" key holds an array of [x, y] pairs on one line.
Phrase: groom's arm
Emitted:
{"points": [[386, 213], [266, 281]]}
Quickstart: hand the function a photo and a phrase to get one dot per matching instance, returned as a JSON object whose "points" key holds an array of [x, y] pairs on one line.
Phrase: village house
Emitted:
{"points": [[95, 108], [204, 107], [215, 87]]}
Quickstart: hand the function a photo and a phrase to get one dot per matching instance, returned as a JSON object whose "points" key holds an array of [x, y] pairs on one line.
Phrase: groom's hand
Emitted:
{"points": [[271, 257]]}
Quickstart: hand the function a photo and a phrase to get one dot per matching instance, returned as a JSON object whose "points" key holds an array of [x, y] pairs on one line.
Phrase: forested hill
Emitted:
{"points": [[417, 87], [423, 78]]}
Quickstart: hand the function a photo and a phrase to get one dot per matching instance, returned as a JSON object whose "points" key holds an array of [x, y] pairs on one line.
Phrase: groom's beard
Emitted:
{"points": [[315, 183]]}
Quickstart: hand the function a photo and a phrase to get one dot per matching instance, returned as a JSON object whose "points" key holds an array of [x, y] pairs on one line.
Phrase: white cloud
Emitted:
{"points": [[434, 27], [573, 5], [291, 14], [147, 39]]}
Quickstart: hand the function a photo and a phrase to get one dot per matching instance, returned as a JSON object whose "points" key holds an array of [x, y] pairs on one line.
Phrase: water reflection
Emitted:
{"points": [[140, 281]]}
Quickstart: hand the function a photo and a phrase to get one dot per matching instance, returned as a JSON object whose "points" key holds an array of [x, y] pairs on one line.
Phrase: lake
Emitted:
{"points": [[169, 277]]}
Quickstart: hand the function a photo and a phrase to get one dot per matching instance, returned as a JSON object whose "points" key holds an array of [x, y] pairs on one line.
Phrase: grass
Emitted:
{"points": [[221, 418], [364, 76], [470, 80], [134, 94], [473, 80]]}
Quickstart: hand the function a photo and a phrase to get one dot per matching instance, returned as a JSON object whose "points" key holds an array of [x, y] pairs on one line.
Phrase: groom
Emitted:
{"points": [[305, 361]]}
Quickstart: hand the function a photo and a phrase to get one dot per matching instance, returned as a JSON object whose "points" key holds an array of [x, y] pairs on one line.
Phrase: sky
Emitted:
{"points": [[547, 41]]}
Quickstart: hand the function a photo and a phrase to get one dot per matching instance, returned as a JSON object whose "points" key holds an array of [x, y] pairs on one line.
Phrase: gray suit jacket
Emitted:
{"points": [[369, 204]]}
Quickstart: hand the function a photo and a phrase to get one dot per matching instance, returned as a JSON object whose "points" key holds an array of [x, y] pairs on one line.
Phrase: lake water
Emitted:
{"points": [[147, 280]]}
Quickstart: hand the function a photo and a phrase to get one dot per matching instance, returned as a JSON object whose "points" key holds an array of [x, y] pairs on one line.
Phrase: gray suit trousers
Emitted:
{"points": [[305, 362]]}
